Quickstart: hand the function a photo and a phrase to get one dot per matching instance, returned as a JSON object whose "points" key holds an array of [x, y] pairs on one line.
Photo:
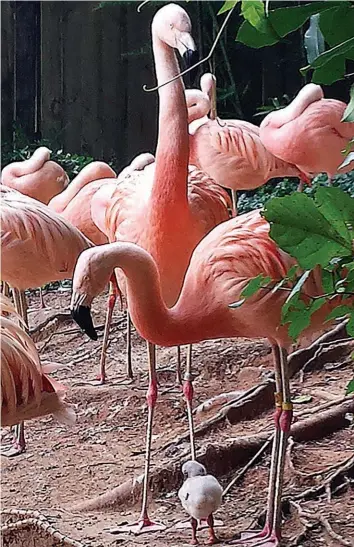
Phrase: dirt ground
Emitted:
{"points": [[66, 465]]}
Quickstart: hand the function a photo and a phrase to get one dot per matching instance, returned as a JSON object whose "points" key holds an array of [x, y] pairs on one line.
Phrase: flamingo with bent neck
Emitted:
{"points": [[37, 177], [219, 270], [309, 132], [230, 151], [158, 210]]}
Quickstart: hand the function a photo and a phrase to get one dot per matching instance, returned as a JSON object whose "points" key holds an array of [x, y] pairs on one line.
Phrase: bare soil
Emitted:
{"points": [[64, 465]]}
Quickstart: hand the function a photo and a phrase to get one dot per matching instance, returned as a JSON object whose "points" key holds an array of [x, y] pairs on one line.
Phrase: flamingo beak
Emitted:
{"points": [[190, 57], [82, 316]]}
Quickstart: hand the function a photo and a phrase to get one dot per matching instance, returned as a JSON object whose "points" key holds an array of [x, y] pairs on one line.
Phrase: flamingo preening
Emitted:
{"points": [[309, 132], [219, 270]]}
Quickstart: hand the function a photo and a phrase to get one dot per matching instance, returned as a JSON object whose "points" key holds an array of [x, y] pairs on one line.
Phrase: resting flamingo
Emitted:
{"points": [[37, 177], [220, 268], [38, 246], [230, 151], [26, 390], [157, 209], [309, 132]]}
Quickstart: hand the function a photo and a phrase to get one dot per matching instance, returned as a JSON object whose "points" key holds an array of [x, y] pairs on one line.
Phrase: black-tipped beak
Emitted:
{"points": [[190, 57], [82, 316]]}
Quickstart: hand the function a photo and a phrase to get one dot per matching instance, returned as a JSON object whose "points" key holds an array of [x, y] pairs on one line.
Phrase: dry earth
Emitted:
{"points": [[67, 465]]}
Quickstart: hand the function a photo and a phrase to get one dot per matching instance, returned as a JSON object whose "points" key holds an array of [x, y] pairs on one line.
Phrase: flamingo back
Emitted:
{"points": [[38, 245]]}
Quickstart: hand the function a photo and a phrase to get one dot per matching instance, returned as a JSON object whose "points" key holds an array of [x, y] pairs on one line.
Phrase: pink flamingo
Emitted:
{"points": [[219, 269], [38, 246], [150, 203], [164, 214], [230, 151], [36, 177], [309, 132], [26, 390]]}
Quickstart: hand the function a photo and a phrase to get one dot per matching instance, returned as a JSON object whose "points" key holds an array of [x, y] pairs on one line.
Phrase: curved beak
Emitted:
{"points": [[82, 316], [190, 57]]}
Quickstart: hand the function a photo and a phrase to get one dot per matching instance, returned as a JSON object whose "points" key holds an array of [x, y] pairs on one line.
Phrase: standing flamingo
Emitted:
{"points": [[219, 270], [26, 390], [37, 247], [164, 214], [36, 177], [230, 151], [309, 132]]}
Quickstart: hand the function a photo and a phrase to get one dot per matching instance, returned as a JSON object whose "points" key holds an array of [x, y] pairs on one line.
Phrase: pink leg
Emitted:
{"points": [[212, 537], [19, 442], [110, 307], [144, 523], [178, 367], [270, 535], [188, 392], [129, 347], [194, 524]]}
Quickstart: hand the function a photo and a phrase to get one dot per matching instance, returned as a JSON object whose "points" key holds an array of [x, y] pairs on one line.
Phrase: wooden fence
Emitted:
{"points": [[73, 73]]}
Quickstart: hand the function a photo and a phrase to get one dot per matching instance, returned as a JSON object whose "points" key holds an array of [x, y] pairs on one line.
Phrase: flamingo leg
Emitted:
{"points": [[270, 535], [194, 525], [188, 394], [144, 524], [129, 347], [178, 367], [41, 299], [101, 379], [19, 442], [212, 537], [234, 201]]}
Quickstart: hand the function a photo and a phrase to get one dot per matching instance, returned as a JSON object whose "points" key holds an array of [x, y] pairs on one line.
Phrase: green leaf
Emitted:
{"points": [[348, 115], [317, 304], [298, 286], [341, 49], [286, 20], [337, 23], [327, 281], [299, 321], [227, 6], [339, 311], [338, 208], [350, 387], [350, 324], [330, 72], [255, 284], [300, 229], [253, 12], [250, 36]]}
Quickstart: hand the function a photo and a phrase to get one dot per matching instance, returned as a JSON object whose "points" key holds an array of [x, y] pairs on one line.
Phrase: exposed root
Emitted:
{"points": [[37, 520], [219, 459], [321, 519], [49, 325], [328, 352]]}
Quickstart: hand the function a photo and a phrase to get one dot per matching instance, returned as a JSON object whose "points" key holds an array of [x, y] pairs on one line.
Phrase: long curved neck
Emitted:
{"points": [[172, 152], [33, 164], [198, 104], [307, 95]]}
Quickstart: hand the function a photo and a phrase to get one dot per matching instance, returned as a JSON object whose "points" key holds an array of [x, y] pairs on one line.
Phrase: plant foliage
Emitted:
{"points": [[332, 24]]}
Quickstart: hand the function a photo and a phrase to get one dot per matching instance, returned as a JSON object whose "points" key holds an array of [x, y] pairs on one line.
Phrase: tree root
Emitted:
{"points": [[328, 352], [37, 520], [49, 325], [218, 459], [306, 516], [259, 398]]}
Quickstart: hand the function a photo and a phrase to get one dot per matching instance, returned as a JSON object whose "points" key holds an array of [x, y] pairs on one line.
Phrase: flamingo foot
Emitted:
{"points": [[15, 449], [263, 538], [142, 526]]}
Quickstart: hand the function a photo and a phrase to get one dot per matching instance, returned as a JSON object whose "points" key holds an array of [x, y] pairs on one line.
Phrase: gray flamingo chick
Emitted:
{"points": [[200, 496]]}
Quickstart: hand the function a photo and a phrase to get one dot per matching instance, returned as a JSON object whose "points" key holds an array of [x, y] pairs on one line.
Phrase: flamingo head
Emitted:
{"points": [[172, 26], [91, 277]]}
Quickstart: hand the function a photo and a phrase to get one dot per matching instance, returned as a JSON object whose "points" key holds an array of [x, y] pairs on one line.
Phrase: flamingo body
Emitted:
{"points": [[230, 151], [38, 245], [26, 390], [37, 177], [309, 132]]}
